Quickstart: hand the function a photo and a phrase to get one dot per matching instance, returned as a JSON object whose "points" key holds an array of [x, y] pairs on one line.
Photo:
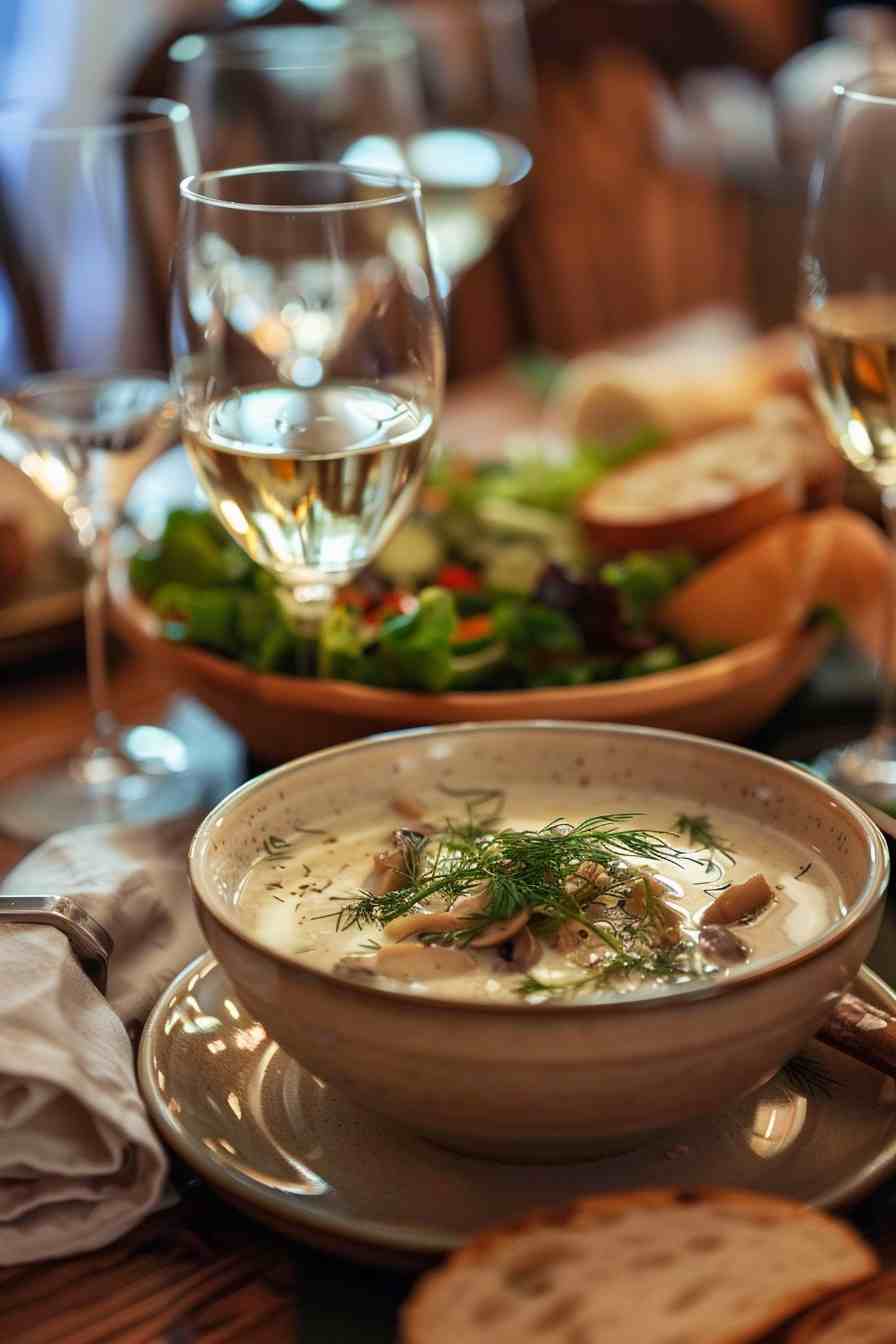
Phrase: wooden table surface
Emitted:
{"points": [[199, 1271]]}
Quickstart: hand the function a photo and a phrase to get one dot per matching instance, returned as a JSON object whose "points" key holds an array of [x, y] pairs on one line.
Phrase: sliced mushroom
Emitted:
{"points": [[422, 961], [648, 896], [568, 936], [525, 950], [438, 921], [388, 872], [667, 923], [588, 877], [722, 946], [645, 886], [423, 921], [500, 930], [739, 901]]}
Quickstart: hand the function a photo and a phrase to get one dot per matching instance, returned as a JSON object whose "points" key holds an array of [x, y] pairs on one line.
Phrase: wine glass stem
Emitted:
{"points": [[314, 600], [104, 726], [885, 728]]}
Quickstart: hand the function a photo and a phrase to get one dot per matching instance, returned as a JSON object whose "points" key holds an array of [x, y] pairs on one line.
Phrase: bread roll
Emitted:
{"points": [[650, 1267], [611, 397], [772, 581]]}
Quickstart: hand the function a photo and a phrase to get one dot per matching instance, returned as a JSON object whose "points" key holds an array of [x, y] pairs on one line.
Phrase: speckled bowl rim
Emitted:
{"points": [[871, 895]]}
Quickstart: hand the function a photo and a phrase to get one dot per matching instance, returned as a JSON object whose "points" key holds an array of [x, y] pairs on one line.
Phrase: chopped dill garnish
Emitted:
{"points": [[523, 871], [663, 963], [700, 834], [806, 1075], [484, 809], [275, 847], [802, 872], [369, 945]]}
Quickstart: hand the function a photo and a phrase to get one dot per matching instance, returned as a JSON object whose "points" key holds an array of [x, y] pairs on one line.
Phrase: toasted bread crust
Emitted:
{"points": [[772, 581], [415, 1317], [813, 1329], [660, 501]]}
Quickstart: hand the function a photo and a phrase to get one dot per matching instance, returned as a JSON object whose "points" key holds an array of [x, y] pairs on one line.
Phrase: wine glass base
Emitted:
{"points": [[148, 783], [866, 768]]}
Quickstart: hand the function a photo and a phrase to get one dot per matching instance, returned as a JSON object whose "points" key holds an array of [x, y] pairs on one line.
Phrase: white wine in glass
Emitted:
{"points": [[309, 359], [314, 482], [848, 312], [853, 338]]}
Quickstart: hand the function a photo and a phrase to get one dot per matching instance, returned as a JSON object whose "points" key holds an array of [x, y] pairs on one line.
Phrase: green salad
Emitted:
{"points": [[487, 587]]}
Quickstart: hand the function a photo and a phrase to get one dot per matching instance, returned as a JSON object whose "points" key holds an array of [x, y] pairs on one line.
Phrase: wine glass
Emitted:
{"points": [[848, 312], [442, 90], [87, 212], [309, 362], [472, 155]]}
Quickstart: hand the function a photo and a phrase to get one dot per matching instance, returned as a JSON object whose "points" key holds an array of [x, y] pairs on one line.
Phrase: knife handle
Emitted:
{"points": [[90, 942]]}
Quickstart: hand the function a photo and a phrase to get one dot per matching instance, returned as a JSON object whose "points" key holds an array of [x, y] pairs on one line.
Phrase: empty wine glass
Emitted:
{"points": [[442, 91], [849, 315], [88, 213], [309, 361]]}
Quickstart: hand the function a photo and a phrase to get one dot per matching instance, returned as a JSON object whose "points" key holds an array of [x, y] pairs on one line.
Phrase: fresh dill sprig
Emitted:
{"points": [[484, 808], [662, 963], [525, 870], [699, 833]]}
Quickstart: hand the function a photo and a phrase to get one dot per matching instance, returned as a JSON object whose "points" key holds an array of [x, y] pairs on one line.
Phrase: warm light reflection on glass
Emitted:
{"points": [[233, 1009], [777, 1125], [215, 1047], [233, 1102], [250, 1038], [234, 516]]}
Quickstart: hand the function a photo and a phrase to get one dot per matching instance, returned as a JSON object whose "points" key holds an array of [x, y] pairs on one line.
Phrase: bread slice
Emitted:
{"points": [[865, 1316], [771, 582], [651, 1267], [705, 495], [681, 392], [823, 466]]}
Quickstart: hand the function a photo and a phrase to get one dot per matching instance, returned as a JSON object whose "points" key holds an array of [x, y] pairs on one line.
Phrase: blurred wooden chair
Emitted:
{"points": [[611, 239]]}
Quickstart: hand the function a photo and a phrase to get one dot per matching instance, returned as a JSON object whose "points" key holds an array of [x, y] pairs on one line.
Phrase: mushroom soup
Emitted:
{"points": [[482, 896]]}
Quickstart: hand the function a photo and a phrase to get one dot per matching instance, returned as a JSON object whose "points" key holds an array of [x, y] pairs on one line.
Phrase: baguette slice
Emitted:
{"points": [[865, 1316], [681, 392], [650, 1267], [705, 495], [771, 582]]}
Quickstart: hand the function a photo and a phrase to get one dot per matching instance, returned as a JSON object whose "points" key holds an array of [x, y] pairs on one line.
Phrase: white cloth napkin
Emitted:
{"points": [[79, 1161]]}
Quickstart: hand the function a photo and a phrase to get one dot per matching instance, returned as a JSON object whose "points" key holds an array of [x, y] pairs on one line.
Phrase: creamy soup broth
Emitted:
{"points": [[291, 895]]}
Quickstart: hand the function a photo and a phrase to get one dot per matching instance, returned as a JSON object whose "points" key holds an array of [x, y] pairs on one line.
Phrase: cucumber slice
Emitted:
{"points": [[520, 520], [469, 670], [515, 568]]}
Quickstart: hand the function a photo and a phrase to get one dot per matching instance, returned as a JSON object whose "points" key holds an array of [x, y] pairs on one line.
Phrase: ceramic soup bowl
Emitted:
{"points": [[559, 1080]]}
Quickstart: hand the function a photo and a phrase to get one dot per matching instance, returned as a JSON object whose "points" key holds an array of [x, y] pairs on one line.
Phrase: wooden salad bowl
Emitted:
{"points": [[729, 696]]}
